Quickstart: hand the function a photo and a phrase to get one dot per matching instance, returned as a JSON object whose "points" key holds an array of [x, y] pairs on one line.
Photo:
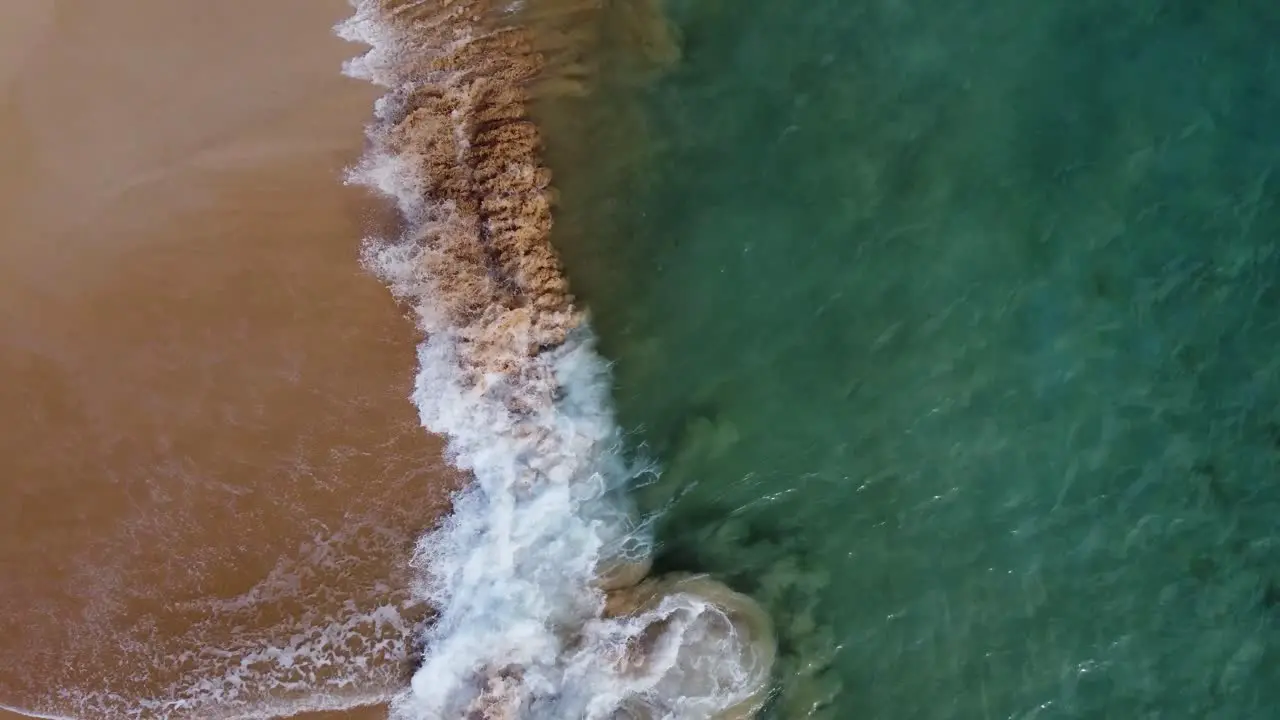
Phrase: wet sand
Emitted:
{"points": [[205, 444]]}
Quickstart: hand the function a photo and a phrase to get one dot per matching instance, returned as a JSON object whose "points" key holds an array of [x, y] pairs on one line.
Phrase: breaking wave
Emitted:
{"points": [[538, 575]]}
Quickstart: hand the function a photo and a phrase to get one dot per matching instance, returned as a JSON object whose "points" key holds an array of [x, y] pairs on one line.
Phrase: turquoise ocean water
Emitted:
{"points": [[956, 328]]}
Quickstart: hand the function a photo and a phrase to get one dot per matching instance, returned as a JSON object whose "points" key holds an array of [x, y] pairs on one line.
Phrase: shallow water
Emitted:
{"points": [[952, 324]]}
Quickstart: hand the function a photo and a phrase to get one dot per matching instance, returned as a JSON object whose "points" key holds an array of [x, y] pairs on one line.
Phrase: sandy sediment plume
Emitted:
{"points": [[466, 71], [462, 73], [459, 132]]}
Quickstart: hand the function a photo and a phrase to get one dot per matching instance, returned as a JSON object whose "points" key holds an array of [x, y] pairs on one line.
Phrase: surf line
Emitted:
{"points": [[539, 574]]}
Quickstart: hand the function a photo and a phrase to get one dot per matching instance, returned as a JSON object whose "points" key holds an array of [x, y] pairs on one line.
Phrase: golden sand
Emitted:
{"points": [[202, 386]]}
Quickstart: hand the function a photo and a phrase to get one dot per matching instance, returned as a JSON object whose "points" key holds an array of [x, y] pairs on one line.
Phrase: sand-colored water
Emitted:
{"points": [[202, 391]]}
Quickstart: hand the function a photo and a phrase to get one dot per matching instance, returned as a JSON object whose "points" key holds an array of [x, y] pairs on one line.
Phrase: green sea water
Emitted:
{"points": [[955, 326]]}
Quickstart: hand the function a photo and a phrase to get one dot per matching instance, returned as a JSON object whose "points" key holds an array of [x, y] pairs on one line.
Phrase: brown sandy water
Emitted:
{"points": [[205, 445]]}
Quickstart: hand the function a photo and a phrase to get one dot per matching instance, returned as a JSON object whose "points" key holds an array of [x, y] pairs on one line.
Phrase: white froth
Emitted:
{"points": [[714, 654], [512, 570], [323, 663]]}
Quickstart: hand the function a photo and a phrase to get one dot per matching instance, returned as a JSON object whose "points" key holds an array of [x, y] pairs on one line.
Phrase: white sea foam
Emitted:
{"points": [[513, 570], [517, 572], [347, 656]]}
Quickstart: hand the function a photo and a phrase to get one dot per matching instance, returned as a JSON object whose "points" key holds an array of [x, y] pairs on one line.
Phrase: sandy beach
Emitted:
{"points": [[205, 391]]}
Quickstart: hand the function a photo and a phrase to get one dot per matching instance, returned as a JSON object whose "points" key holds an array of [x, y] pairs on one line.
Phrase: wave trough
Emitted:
{"points": [[537, 574]]}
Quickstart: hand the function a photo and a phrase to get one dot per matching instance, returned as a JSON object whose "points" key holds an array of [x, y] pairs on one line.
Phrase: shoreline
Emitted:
{"points": [[542, 548]]}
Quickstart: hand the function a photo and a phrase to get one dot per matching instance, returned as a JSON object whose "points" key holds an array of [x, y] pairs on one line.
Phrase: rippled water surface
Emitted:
{"points": [[954, 326]]}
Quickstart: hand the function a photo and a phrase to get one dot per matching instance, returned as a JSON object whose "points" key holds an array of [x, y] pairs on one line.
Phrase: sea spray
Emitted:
{"points": [[532, 573]]}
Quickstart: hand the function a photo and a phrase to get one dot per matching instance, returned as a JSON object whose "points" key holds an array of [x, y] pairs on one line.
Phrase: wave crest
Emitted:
{"points": [[542, 550]]}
